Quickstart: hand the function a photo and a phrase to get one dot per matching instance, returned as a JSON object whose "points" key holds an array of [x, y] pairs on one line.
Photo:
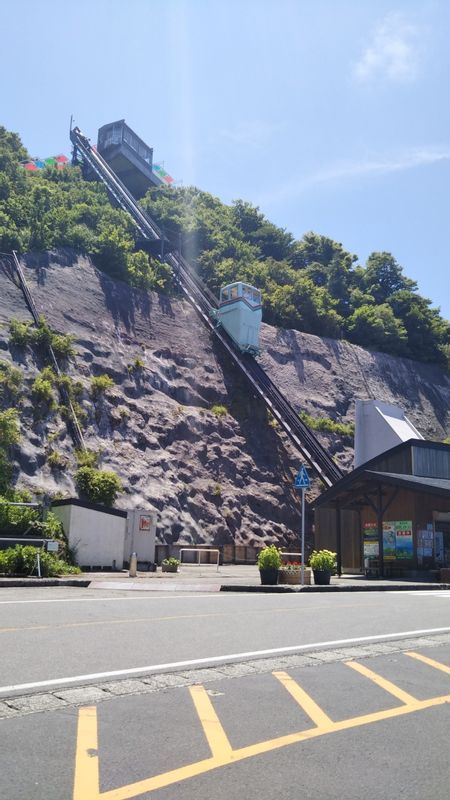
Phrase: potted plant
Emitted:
{"points": [[323, 564], [269, 562], [170, 564]]}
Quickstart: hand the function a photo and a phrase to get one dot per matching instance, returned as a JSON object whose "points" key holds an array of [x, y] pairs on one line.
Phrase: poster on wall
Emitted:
{"points": [[397, 540], [370, 539], [389, 541], [404, 539]]}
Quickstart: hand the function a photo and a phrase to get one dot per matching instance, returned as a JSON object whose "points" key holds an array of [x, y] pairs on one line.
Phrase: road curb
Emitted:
{"points": [[15, 582], [395, 587]]}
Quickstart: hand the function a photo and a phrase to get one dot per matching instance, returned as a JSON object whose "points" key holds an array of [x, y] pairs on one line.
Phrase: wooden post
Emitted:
{"points": [[338, 539], [380, 530]]}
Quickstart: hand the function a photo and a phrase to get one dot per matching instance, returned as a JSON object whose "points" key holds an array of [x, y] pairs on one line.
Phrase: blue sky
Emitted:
{"points": [[331, 115]]}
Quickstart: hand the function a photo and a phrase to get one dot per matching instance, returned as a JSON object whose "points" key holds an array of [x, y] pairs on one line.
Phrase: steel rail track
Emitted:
{"points": [[205, 302]]}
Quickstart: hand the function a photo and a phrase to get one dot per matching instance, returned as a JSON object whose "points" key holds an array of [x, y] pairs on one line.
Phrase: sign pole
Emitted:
{"points": [[303, 538], [302, 482]]}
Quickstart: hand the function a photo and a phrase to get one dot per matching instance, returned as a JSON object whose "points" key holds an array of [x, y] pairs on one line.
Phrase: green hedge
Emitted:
{"points": [[21, 560]]}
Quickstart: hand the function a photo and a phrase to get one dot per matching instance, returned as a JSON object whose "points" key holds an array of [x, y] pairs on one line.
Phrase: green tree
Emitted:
{"points": [[377, 328], [383, 277], [112, 249], [428, 334], [271, 241]]}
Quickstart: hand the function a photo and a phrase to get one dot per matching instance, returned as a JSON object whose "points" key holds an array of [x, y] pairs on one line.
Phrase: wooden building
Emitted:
{"points": [[391, 515]]}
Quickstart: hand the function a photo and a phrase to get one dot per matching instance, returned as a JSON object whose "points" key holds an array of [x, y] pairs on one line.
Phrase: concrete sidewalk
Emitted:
{"points": [[231, 578]]}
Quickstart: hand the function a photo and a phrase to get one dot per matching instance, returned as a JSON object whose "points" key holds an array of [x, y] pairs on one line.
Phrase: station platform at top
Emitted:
{"points": [[129, 156]]}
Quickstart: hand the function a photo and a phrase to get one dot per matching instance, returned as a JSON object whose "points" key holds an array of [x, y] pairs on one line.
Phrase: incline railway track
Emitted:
{"points": [[205, 303]]}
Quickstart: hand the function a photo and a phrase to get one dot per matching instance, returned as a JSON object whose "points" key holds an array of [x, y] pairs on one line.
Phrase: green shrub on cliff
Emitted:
{"points": [[98, 486]]}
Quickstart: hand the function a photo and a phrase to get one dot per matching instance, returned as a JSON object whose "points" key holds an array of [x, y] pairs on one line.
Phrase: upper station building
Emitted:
{"points": [[130, 158]]}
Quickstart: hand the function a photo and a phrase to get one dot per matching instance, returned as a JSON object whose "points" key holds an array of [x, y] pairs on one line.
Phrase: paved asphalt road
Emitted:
{"points": [[350, 721], [371, 727], [51, 634]]}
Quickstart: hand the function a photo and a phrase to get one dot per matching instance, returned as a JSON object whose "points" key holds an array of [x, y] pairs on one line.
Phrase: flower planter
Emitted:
{"points": [[269, 577], [169, 568], [322, 577], [294, 577]]}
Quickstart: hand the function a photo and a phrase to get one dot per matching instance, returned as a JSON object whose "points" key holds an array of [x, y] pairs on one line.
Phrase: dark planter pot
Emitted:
{"points": [[169, 568], [322, 577], [269, 577]]}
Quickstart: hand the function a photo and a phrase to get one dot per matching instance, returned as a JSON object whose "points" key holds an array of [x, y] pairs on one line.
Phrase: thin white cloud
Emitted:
{"points": [[381, 166], [393, 53], [347, 170], [255, 134]]}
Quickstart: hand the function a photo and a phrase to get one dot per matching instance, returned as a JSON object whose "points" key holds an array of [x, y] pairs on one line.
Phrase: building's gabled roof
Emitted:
{"points": [[398, 448], [361, 480], [416, 482]]}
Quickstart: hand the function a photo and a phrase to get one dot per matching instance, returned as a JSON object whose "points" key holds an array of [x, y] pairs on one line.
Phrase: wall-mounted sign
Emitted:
{"points": [[370, 540], [397, 540], [403, 539], [145, 522]]}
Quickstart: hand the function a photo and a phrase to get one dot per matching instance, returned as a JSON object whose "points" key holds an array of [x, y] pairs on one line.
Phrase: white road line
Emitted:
{"points": [[435, 593], [214, 660], [99, 599]]}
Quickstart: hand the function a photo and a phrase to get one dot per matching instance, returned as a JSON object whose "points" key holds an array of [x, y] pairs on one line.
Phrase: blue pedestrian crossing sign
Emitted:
{"points": [[302, 480]]}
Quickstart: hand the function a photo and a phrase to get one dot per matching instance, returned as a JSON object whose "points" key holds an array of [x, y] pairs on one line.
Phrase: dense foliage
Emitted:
{"points": [[21, 560], [97, 485], [312, 284], [53, 208]]}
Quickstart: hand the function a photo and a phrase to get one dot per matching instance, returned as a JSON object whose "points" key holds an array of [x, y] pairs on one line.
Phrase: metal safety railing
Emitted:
{"points": [[199, 550]]}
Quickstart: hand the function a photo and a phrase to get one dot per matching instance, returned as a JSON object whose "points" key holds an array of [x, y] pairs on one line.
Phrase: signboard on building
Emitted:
{"points": [[145, 522], [403, 539], [370, 540], [389, 541], [397, 540]]}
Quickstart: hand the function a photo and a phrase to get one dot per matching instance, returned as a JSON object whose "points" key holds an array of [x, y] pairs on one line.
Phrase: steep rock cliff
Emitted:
{"points": [[214, 479]]}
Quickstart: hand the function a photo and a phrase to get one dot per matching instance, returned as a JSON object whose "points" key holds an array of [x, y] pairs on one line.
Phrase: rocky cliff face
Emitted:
{"points": [[215, 479]]}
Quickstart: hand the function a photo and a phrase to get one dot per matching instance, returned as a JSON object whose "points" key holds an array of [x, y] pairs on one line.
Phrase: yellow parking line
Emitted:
{"points": [[406, 698], [304, 700], [165, 779], [215, 734], [430, 661], [87, 785]]}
